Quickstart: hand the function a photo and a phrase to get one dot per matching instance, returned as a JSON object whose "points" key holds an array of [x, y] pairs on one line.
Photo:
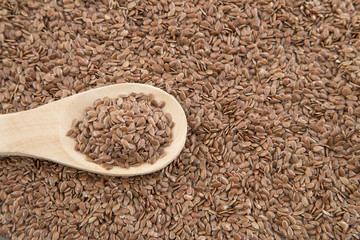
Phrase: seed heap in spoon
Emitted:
{"points": [[125, 131]]}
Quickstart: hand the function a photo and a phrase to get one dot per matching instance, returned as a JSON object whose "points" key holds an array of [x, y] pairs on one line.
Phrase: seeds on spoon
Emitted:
{"points": [[124, 131]]}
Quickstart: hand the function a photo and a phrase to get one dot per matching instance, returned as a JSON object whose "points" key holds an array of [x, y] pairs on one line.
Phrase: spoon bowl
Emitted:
{"points": [[41, 132]]}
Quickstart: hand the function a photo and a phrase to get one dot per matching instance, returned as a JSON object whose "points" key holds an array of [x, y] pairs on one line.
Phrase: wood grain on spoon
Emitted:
{"points": [[41, 132]]}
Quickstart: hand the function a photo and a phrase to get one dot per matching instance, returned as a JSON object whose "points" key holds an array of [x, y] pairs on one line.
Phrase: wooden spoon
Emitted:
{"points": [[41, 132]]}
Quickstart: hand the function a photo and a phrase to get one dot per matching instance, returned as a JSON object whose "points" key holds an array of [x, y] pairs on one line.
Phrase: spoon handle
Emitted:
{"points": [[28, 133]]}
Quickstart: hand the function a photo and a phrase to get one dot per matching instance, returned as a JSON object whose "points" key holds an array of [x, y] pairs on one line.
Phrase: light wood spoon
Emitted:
{"points": [[41, 132]]}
